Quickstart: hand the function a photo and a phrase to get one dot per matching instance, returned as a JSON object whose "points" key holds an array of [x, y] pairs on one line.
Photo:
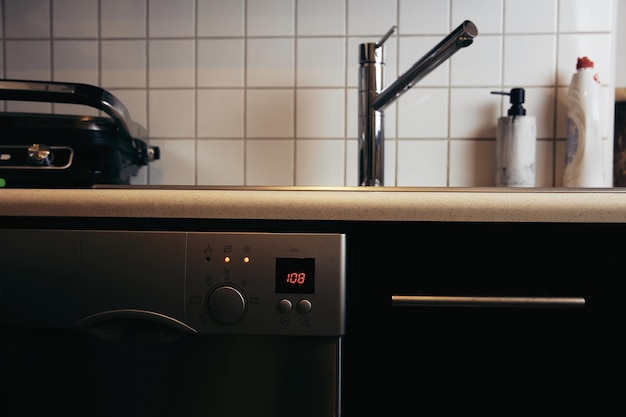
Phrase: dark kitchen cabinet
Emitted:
{"points": [[399, 360]]}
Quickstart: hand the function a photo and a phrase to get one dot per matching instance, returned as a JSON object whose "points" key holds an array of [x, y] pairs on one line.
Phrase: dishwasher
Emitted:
{"points": [[168, 322]]}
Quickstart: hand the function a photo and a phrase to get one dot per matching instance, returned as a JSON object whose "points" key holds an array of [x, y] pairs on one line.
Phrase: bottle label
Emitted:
{"points": [[571, 143]]}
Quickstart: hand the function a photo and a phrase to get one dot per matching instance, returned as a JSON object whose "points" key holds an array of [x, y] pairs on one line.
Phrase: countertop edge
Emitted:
{"points": [[478, 205]]}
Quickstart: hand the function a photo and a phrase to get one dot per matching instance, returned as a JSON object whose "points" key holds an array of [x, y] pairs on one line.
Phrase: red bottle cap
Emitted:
{"points": [[584, 62]]}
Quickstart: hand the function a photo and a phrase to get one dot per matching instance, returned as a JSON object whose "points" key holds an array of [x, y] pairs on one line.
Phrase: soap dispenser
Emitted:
{"points": [[516, 141]]}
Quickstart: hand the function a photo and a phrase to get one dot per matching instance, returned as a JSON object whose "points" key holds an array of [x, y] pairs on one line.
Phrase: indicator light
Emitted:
{"points": [[246, 259], [227, 259]]}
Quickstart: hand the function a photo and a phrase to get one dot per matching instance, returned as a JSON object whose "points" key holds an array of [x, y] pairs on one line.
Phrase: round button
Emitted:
{"points": [[284, 306], [304, 306], [226, 305]]}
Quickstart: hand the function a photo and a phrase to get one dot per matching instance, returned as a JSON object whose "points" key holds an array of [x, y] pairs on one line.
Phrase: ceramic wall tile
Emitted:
{"points": [[390, 118], [28, 59], [418, 17], [269, 113], [530, 16], [220, 162], [351, 173], [319, 162], [320, 113], [586, 15], [487, 15], [123, 63], [270, 162], [171, 63], [270, 18], [423, 113], [544, 168], [479, 64], [620, 44], [123, 18], [352, 113], [171, 19], [26, 19], [311, 12], [221, 18], [321, 62], [477, 171], [371, 18], [76, 61], [177, 164], [220, 63], [530, 60], [171, 113], [75, 19], [270, 62], [422, 163], [390, 158], [220, 113], [473, 113]]}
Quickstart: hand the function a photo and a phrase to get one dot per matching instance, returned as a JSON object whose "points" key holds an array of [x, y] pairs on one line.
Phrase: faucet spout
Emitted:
{"points": [[373, 98], [461, 37]]}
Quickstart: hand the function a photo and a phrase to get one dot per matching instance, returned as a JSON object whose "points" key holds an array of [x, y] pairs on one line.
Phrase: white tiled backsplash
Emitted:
{"points": [[264, 92]]}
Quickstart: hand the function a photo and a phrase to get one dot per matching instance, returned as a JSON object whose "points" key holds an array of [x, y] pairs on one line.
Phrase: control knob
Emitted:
{"points": [[226, 305], [40, 155]]}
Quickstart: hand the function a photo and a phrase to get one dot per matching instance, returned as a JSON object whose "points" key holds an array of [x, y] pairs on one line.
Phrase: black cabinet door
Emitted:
{"points": [[496, 359]]}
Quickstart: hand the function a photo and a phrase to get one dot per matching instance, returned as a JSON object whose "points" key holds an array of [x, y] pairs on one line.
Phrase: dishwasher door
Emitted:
{"points": [[171, 323], [138, 369]]}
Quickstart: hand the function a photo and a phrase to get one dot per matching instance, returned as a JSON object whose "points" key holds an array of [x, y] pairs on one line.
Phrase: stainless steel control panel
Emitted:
{"points": [[205, 282], [265, 283]]}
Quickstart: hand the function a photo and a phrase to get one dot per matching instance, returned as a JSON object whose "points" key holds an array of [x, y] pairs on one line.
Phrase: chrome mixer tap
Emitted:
{"points": [[373, 98]]}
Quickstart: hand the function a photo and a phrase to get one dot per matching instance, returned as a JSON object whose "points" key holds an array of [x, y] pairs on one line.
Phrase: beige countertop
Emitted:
{"points": [[324, 203]]}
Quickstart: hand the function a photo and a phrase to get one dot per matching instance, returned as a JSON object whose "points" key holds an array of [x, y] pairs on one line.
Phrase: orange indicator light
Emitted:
{"points": [[227, 259], [246, 259]]}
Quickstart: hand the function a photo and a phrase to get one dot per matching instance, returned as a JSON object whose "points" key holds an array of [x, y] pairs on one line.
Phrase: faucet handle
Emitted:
{"points": [[386, 36], [369, 53]]}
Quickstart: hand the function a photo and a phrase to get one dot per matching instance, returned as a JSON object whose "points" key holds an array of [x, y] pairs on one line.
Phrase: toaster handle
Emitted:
{"points": [[72, 93]]}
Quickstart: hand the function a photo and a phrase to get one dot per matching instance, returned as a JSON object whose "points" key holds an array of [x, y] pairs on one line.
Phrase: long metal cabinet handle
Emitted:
{"points": [[484, 301]]}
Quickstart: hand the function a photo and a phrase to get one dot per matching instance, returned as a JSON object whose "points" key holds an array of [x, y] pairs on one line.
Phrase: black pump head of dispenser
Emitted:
{"points": [[516, 99]]}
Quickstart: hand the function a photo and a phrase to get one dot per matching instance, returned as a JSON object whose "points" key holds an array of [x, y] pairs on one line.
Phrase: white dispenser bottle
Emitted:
{"points": [[516, 144], [584, 154]]}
